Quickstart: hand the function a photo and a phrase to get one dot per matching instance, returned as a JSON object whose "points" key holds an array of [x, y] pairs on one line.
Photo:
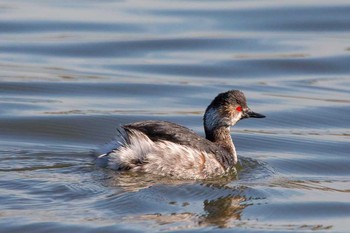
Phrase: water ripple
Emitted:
{"points": [[72, 71]]}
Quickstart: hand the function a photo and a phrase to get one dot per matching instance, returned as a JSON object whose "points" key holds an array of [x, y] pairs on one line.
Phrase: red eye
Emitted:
{"points": [[239, 109]]}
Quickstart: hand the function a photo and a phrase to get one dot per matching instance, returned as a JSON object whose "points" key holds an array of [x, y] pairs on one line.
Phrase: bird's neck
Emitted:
{"points": [[221, 136]]}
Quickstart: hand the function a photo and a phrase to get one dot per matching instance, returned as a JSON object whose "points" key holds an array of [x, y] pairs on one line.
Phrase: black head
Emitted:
{"points": [[227, 108]]}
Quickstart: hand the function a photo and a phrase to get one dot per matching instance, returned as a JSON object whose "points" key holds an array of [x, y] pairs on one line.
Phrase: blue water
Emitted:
{"points": [[72, 71]]}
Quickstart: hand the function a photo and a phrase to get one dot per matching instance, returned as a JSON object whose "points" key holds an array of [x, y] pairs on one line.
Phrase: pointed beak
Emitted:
{"points": [[250, 114]]}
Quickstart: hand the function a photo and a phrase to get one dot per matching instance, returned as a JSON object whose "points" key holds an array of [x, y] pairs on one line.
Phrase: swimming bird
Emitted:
{"points": [[168, 149]]}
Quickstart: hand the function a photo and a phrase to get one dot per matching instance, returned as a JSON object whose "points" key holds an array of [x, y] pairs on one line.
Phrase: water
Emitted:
{"points": [[72, 71]]}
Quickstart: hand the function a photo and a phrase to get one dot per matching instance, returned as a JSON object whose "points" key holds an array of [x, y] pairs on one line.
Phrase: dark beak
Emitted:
{"points": [[249, 113]]}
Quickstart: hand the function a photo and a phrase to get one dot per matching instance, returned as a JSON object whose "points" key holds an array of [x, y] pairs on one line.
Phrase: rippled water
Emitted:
{"points": [[72, 71]]}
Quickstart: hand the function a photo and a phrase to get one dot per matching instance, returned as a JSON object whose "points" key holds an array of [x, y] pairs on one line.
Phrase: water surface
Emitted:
{"points": [[71, 72]]}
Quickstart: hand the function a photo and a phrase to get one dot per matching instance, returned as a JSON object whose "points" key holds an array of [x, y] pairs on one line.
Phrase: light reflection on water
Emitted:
{"points": [[71, 72]]}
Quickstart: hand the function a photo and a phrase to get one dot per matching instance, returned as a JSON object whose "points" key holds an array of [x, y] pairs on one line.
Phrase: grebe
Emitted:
{"points": [[167, 149]]}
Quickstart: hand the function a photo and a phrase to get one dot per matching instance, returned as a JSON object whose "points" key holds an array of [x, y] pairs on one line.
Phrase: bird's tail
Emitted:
{"points": [[119, 140]]}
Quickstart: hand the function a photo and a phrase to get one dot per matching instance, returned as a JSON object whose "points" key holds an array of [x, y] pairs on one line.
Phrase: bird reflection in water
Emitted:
{"points": [[222, 205]]}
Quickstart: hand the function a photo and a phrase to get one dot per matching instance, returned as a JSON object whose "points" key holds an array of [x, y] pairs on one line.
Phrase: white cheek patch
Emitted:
{"points": [[213, 119], [236, 118]]}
